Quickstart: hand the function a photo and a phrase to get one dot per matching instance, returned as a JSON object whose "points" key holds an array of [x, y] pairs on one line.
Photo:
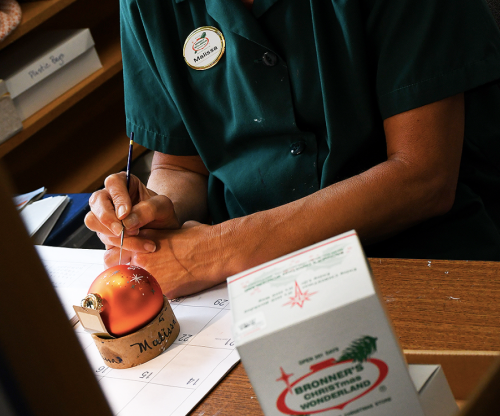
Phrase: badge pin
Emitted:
{"points": [[204, 47]]}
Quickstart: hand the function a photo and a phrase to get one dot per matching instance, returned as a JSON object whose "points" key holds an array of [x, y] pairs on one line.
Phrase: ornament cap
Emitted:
{"points": [[93, 301]]}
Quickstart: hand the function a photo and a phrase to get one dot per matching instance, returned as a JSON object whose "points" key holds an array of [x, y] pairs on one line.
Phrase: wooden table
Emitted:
{"points": [[433, 305]]}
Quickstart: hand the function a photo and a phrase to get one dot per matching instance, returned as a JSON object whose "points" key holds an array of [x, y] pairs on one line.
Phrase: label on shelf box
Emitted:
{"points": [[34, 58]]}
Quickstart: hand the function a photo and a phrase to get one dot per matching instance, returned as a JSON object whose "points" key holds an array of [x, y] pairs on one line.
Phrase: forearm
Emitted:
{"points": [[418, 181], [378, 203], [195, 258], [187, 189]]}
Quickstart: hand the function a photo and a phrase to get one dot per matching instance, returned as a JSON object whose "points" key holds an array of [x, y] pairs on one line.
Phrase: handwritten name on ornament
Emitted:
{"points": [[53, 60], [162, 336]]}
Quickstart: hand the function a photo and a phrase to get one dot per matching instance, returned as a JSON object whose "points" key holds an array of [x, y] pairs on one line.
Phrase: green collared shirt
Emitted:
{"points": [[270, 134]]}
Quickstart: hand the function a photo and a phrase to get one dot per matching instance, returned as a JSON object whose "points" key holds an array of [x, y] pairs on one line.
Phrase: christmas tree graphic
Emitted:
{"points": [[359, 350], [203, 35]]}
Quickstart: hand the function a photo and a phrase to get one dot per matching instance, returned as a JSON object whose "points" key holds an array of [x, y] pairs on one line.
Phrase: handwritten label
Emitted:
{"points": [[116, 360], [54, 60], [163, 335]]}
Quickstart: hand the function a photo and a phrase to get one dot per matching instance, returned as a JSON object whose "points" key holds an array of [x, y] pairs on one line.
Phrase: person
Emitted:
{"points": [[319, 117]]}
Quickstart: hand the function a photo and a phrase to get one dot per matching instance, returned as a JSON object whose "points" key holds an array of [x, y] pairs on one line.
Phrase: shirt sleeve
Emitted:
{"points": [[150, 111], [427, 50]]}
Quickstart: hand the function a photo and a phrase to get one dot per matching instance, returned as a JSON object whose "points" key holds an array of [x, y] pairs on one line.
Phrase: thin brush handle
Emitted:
{"points": [[130, 148]]}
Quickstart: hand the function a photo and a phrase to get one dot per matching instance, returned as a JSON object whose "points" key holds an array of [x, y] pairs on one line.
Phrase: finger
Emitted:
{"points": [[129, 233], [103, 213], [116, 186], [93, 224], [135, 244], [156, 212], [106, 241], [191, 224], [112, 257]]}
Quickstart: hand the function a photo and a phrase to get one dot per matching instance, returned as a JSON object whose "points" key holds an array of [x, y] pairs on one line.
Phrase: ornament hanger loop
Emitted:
{"points": [[92, 301]]}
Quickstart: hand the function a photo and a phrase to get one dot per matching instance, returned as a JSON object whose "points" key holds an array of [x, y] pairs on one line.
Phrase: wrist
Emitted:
{"points": [[241, 245], [229, 250]]}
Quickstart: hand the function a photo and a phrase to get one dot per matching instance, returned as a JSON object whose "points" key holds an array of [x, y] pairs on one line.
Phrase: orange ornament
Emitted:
{"points": [[131, 298]]}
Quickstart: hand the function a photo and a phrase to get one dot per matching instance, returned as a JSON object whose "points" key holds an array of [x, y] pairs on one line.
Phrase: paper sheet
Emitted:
{"points": [[20, 201], [71, 271], [40, 217], [174, 382]]}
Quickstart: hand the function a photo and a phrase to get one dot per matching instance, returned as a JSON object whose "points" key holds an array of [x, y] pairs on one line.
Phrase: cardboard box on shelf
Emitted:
{"points": [[10, 122], [40, 67]]}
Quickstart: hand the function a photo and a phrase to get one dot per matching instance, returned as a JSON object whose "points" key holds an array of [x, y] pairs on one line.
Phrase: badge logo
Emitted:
{"points": [[204, 47]]}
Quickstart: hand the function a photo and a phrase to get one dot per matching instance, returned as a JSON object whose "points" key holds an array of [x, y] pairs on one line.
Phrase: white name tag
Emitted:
{"points": [[204, 47]]}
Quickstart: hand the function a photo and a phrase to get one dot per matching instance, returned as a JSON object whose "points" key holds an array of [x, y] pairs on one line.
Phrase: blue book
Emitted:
{"points": [[70, 220]]}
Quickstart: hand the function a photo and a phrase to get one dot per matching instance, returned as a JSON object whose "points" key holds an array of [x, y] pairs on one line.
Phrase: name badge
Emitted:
{"points": [[204, 47]]}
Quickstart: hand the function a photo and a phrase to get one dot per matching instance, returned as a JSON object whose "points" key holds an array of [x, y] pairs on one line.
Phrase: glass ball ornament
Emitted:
{"points": [[128, 298]]}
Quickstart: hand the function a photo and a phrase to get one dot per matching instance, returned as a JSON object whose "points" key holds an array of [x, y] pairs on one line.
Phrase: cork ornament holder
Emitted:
{"points": [[142, 345], [130, 320]]}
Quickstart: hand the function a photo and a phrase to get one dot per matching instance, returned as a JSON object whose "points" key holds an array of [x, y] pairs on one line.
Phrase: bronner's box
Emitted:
{"points": [[314, 337]]}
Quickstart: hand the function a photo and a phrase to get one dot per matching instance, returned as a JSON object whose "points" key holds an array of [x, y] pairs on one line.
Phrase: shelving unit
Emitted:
{"points": [[35, 14], [74, 142]]}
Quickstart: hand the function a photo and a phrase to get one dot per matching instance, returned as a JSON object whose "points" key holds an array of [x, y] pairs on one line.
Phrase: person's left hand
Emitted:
{"points": [[186, 261]]}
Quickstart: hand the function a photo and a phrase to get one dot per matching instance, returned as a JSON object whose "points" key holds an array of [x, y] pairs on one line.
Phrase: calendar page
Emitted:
{"points": [[174, 382]]}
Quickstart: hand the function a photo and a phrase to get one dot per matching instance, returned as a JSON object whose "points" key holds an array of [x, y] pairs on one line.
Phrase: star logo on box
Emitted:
{"points": [[299, 297], [333, 384]]}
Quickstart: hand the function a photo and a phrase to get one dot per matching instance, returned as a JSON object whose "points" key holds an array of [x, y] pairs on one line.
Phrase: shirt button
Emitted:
{"points": [[269, 59], [297, 148]]}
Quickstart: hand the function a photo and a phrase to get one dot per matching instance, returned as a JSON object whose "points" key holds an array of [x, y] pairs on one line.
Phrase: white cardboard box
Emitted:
{"points": [[10, 122], [39, 68], [314, 337]]}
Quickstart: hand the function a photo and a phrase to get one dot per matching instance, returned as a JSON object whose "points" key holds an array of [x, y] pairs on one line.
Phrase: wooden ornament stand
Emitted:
{"points": [[142, 345]]}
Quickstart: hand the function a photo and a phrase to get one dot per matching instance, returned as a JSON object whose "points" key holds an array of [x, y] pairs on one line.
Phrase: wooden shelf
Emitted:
{"points": [[33, 15], [78, 150], [74, 142]]}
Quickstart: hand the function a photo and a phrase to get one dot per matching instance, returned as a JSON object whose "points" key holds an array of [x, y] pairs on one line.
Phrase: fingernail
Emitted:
{"points": [[121, 211], [150, 247], [116, 227], [131, 221]]}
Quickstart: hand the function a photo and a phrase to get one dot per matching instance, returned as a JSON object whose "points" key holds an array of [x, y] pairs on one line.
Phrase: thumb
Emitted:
{"points": [[190, 224]]}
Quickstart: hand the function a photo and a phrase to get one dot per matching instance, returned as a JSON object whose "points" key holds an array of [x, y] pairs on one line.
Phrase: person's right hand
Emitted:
{"points": [[137, 208]]}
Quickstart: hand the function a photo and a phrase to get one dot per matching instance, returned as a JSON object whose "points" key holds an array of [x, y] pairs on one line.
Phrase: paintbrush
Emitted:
{"points": [[131, 146]]}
